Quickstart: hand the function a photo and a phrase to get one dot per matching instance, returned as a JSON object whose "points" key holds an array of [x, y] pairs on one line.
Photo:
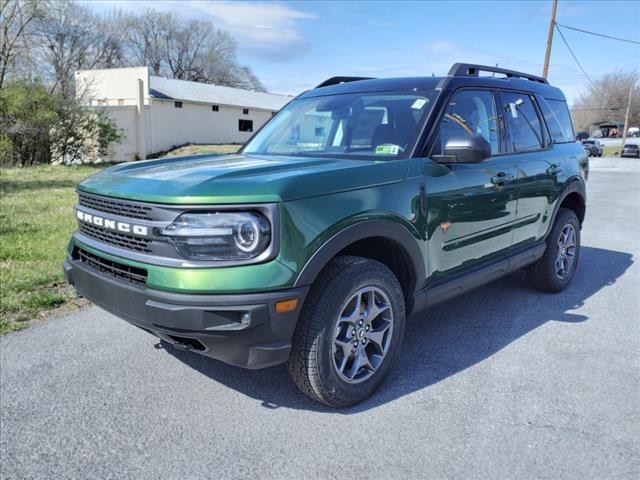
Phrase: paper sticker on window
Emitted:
{"points": [[419, 103], [514, 110], [387, 149]]}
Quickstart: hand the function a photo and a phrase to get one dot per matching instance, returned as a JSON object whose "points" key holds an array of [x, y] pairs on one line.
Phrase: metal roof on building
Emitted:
{"points": [[166, 88]]}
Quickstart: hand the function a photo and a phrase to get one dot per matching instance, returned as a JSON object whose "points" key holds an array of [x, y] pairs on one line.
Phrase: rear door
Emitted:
{"points": [[529, 148], [472, 207]]}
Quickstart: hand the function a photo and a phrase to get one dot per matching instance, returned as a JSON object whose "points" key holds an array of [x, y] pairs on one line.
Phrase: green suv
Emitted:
{"points": [[361, 202]]}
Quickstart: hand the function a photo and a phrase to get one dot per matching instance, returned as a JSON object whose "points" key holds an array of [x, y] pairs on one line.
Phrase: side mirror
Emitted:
{"points": [[472, 149]]}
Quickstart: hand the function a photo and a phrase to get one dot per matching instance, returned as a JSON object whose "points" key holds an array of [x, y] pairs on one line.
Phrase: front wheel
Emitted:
{"points": [[349, 333], [555, 270]]}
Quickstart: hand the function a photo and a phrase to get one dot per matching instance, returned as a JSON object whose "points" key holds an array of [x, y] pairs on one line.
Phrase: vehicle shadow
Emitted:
{"points": [[443, 340]]}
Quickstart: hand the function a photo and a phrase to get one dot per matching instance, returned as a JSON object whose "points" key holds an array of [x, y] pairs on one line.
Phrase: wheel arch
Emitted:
{"points": [[386, 241], [573, 197]]}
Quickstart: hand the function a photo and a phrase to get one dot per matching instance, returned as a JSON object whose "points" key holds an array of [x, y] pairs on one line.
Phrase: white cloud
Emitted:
{"points": [[267, 30]]}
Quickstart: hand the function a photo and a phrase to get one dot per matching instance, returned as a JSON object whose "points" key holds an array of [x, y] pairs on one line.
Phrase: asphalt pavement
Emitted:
{"points": [[503, 382]]}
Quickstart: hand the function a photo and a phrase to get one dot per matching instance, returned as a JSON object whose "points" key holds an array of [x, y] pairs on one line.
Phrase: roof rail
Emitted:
{"points": [[336, 80], [471, 70]]}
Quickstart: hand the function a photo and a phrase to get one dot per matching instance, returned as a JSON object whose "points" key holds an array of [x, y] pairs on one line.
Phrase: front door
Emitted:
{"points": [[471, 207]]}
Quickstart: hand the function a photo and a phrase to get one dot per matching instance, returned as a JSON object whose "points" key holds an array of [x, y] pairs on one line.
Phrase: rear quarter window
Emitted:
{"points": [[558, 119]]}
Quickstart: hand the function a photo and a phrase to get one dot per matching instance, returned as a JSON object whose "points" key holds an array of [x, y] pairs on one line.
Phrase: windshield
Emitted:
{"points": [[358, 125]]}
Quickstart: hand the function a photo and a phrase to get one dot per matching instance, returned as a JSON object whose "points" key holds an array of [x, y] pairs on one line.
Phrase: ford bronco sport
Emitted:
{"points": [[361, 202]]}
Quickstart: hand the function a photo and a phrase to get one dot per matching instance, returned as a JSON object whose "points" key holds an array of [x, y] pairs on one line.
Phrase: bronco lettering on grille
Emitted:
{"points": [[123, 227]]}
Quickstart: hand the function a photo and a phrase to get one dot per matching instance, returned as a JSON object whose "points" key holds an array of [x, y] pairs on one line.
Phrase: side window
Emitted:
{"points": [[560, 116], [525, 131], [468, 113]]}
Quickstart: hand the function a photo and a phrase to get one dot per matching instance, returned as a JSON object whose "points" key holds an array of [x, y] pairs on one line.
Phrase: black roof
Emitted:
{"points": [[430, 83]]}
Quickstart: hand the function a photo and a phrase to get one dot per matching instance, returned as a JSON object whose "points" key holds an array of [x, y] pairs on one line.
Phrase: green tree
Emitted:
{"points": [[37, 126], [27, 114]]}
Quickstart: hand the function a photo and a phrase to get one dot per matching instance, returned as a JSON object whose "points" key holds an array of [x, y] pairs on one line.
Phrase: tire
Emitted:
{"points": [[553, 272], [319, 367]]}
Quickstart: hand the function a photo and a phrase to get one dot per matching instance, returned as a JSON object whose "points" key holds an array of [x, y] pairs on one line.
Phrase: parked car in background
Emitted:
{"points": [[633, 132], [582, 136], [630, 150], [589, 149], [594, 147]]}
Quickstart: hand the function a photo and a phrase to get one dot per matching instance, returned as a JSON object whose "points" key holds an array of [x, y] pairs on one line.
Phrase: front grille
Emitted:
{"points": [[118, 239], [116, 207], [119, 271]]}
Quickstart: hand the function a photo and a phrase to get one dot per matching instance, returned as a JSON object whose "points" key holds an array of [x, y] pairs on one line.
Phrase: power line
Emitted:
{"points": [[575, 58], [599, 34]]}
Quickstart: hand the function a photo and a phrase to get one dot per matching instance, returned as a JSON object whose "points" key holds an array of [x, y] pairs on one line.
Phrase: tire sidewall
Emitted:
{"points": [[342, 391], [565, 217]]}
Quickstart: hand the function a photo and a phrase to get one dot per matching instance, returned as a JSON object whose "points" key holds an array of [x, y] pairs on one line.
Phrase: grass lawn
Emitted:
{"points": [[611, 150], [36, 221], [200, 149]]}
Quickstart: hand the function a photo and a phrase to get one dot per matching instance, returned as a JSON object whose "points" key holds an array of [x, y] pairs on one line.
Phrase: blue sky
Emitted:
{"points": [[293, 46]]}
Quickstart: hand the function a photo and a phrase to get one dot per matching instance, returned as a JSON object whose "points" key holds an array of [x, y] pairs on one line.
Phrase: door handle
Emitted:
{"points": [[502, 178]]}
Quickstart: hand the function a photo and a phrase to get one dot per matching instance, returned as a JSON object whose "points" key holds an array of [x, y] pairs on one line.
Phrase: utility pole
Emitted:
{"points": [[626, 118], [552, 24]]}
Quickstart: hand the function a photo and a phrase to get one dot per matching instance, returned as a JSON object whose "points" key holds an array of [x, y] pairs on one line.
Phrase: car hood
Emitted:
{"points": [[240, 178]]}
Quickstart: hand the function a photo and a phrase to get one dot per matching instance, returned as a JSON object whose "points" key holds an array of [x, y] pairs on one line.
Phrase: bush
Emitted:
{"points": [[27, 113], [37, 126]]}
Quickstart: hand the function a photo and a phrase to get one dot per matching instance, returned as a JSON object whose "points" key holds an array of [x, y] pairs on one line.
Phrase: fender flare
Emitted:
{"points": [[387, 229], [573, 186]]}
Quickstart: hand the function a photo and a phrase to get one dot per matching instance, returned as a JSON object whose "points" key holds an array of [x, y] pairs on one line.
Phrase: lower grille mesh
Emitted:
{"points": [[119, 271]]}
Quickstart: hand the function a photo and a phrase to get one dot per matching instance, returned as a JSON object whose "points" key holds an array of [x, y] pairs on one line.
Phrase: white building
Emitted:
{"points": [[156, 114]]}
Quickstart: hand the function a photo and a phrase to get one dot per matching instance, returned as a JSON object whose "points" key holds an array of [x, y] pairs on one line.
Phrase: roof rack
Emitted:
{"points": [[336, 80], [471, 70]]}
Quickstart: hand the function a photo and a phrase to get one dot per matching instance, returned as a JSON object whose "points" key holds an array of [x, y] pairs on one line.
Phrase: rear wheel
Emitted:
{"points": [[349, 333], [555, 270]]}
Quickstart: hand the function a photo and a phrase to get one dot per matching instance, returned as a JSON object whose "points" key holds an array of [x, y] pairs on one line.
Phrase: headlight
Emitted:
{"points": [[219, 235]]}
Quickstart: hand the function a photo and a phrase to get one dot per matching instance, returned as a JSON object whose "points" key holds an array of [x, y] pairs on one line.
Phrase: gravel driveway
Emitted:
{"points": [[504, 382]]}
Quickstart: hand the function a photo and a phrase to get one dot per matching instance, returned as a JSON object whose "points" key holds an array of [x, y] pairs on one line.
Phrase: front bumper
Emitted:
{"points": [[240, 329]]}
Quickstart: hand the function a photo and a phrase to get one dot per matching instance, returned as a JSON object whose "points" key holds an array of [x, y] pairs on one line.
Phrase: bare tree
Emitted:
{"points": [[51, 40], [111, 44], [16, 18], [71, 37], [189, 50], [186, 48], [607, 100], [147, 39], [248, 80], [67, 38]]}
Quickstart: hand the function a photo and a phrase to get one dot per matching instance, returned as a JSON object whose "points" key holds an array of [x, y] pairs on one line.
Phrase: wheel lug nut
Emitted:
{"points": [[355, 344], [360, 322], [353, 332], [364, 340], [367, 328]]}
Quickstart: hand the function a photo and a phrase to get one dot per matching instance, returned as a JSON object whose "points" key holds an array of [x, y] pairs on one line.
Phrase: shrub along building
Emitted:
{"points": [[156, 114]]}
